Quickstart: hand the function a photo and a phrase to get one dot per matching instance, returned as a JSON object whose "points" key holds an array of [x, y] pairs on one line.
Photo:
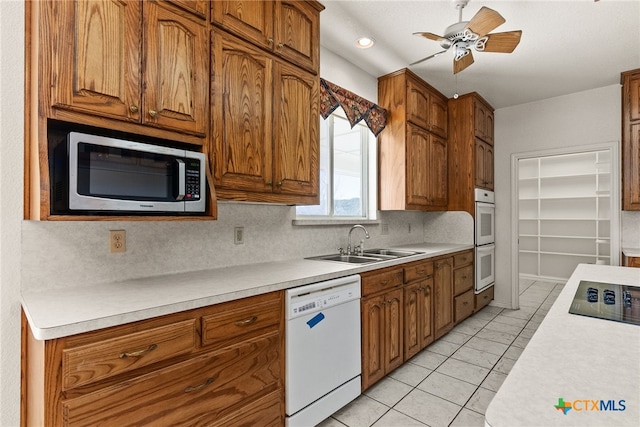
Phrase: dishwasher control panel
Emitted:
{"points": [[320, 296]]}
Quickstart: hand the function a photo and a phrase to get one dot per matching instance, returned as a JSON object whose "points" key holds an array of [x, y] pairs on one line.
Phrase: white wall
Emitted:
{"points": [[11, 170], [581, 118]]}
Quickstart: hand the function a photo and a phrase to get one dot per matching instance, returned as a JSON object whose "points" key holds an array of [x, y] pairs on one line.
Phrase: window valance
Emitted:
{"points": [[355, 107]]}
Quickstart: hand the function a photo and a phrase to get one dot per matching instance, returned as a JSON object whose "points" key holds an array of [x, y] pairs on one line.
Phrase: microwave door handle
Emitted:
{"points": [[181, 179]]}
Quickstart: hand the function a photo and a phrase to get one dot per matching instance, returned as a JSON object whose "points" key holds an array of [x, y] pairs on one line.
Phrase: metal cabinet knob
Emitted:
{"points": [[133, 108], [153, 113]]}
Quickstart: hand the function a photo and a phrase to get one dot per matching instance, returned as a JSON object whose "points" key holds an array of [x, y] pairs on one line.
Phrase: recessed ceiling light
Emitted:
{"points": [[364, 42]]}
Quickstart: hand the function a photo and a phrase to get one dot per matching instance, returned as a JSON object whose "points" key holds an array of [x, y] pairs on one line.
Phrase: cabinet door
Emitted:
{"points": [[296, 138], [394, 336], [437, 177], [426, 312], [480, 154], [176, 70], [242, 115], [488, 167], [438, 113], [443, 296], [297, 33], [373, 330], [488, 127], [479, 120], [199, 7], [412, 317], [96, 57], [418, 142], [250, 20], [417, 104]]}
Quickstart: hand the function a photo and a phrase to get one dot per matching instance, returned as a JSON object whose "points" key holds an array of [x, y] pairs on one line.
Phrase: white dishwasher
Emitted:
{"points": [[322, 349]]}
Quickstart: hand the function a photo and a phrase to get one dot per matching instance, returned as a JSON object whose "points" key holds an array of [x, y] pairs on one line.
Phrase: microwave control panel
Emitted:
{"points": [[192, 180]]}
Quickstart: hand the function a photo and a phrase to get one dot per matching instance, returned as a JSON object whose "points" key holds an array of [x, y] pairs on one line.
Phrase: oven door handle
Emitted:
{"points": [[486, 248]]}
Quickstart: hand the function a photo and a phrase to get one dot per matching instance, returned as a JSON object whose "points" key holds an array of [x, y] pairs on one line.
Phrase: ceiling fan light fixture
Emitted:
{"points": [[365, 42]]}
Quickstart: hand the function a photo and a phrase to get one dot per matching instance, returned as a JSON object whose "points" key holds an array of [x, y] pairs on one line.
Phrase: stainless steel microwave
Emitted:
{"points": [[98, 174]]}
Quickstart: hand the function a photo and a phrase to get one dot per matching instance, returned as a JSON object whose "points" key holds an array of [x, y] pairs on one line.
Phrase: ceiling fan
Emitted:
{"points": [[464, 35]]}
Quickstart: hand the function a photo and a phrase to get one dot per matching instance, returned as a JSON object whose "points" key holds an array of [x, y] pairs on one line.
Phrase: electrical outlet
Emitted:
{"points": [[384, 229], [238, 235], [117, 241]]}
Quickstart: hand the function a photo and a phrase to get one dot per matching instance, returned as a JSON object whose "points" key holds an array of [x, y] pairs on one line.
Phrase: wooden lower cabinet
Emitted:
{"points": [[418, 309], [382, 325], [166, 371], [443, 296]]}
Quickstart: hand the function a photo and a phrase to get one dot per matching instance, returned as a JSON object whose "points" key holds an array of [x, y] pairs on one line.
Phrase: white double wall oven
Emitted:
{"points": [[485, 247]]}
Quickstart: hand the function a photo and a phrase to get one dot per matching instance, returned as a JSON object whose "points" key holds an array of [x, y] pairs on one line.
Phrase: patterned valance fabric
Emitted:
{"points": [[355, 107]]}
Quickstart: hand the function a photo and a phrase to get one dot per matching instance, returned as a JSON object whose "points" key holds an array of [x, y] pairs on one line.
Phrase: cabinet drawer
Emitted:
{"points": [[92, 362], [462, 279], [484, 298], [418, 271], [463, 306], [462, 259], [240, 320], [195, 392], [381, 281], [267, 411]]}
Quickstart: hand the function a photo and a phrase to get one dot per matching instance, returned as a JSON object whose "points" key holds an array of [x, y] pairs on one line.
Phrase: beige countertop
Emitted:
{"points": [[631, 252], [62, 312], [577, 359]]}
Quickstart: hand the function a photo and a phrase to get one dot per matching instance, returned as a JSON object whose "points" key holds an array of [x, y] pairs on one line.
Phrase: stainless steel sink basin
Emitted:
{"points": [[353, 259], [370, 255], [389, 252]]}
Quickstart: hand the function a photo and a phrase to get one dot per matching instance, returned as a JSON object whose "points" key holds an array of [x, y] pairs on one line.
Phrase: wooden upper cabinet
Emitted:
{"points": [[290, 29], [96, 58], [413, 147], [483, 121], [438, 115], [631, 140], [176, 70], [417, 104], [296, 132], [242, 119], [106, 62], [427, 169], [470, 150], [484, 165], [265, 129]]}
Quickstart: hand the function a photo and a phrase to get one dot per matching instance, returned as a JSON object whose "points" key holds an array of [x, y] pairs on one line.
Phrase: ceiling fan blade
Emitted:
{"points": [[462, 63], [430, 36], [502, 42], [428, 57], [484, 21]]}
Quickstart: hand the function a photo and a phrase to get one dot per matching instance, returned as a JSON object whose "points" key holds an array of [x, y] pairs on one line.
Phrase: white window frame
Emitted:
{"points": [[368, 181]]}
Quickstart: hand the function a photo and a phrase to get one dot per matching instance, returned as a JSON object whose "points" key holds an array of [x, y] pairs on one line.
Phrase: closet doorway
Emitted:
{"points": [[567, 211]]}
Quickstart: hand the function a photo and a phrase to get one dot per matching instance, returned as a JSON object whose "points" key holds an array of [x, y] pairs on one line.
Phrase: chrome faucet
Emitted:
{"points": [[361, 246]]}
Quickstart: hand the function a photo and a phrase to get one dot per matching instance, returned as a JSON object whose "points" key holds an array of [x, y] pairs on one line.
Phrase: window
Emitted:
{"points": [[347, 171]]}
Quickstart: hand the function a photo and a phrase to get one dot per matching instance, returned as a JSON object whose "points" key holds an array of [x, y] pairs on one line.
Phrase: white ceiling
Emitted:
{"points": [[566, 46]]}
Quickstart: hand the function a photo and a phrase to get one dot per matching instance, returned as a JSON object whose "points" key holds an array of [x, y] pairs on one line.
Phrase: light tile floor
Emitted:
{"points": [[452, 381]]}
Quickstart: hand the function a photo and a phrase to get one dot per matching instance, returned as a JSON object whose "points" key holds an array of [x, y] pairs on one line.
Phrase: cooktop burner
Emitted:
{"points": [[609, 301]]}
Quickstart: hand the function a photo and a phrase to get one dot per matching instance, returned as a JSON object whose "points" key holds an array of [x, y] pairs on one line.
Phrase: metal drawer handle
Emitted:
{"points": [[247, 321], [139, 352], [465, 303], [384, 282], [420, 271], [198, 387]]}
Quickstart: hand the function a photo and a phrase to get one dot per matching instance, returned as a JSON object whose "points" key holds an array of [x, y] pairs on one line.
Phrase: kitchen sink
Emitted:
{"points": [[369, 255], [389, 252], [353, 259]]}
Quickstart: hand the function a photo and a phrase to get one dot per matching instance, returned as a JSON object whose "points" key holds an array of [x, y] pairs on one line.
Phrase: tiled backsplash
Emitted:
{"points": [[64, 254]]}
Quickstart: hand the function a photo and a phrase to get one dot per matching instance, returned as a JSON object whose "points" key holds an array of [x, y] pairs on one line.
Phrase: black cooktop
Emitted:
{"points": [[609, 301]]}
